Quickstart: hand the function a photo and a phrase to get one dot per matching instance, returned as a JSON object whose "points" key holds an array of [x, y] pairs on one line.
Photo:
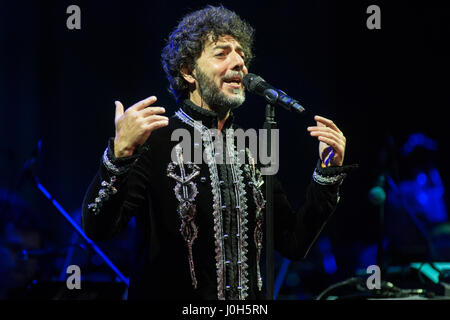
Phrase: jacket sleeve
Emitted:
{"points": [[115, 194], [296, 232]]}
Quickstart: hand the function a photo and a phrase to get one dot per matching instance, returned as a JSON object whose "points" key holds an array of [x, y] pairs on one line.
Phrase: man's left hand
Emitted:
{"points": [[329, 134]]}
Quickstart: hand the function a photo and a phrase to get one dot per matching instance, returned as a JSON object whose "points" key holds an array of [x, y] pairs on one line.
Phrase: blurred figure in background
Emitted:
{"points": [[416, 204]]}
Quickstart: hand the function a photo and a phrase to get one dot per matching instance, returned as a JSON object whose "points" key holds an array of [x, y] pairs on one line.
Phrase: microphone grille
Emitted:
{"points": [[251, 81]]}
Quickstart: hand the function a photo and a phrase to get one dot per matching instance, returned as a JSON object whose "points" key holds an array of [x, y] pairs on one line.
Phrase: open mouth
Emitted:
{"points": [[234, 82]]}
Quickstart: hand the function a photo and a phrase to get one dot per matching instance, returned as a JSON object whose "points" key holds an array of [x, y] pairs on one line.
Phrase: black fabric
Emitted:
{"points": [[161, 268], [335, 170]]}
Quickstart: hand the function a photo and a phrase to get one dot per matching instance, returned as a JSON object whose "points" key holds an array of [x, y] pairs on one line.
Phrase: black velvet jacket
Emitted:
{"points": [[144, 190]]}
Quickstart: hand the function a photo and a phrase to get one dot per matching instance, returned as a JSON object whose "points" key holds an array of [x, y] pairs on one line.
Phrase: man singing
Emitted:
{"points": [[200, 225]]}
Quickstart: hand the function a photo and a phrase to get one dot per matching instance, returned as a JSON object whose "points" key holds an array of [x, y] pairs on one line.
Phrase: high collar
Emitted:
{"points": [[207, 117]]}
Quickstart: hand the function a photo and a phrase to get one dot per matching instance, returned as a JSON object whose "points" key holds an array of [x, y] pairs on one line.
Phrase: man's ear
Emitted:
{"points": [[188, 75]]}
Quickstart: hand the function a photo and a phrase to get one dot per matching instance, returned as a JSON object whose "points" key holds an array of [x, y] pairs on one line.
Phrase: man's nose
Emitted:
{"points": [[237, 62]]}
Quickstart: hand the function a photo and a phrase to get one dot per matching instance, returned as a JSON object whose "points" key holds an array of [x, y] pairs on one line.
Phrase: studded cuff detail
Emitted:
{"points": [[111, 167], [332, 175], [328, 180], [104, 194]]}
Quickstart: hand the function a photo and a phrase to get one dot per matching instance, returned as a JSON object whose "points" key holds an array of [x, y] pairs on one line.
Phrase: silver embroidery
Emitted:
{"points": [[241, 208], [257, 181], [110, 166], [104, 194], [217, 213], [217, 199], [186, 208], [328, 180]]}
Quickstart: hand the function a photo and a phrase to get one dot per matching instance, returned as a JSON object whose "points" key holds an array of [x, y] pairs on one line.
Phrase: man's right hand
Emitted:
{"points": [[134, 126]]}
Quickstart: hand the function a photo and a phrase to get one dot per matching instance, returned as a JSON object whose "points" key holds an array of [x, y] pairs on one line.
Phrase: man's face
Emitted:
{"points": [[218, 76]]}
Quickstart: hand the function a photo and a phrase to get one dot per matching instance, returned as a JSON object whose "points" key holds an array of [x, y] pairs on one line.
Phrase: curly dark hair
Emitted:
{"points": [[186, 43]]}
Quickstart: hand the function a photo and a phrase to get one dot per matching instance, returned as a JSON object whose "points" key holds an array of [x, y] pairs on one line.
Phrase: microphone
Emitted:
{"points": [[257, 85]]}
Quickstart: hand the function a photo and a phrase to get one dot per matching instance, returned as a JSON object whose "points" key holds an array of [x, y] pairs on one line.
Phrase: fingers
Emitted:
{"points": [[329, 134], [138, 106], [327, 122], [331, 138], [326, 132], [119, 109], [143, 103], [327, 128], [151, 111], [157, 124], [156, 118], [336, 145]]}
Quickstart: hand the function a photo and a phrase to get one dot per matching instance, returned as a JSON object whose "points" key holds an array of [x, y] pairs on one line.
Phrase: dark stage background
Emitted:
{"points": [[379, 86]]}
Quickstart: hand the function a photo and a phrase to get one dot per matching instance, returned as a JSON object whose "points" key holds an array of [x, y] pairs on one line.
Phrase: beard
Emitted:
{"points": [[216, 99]]}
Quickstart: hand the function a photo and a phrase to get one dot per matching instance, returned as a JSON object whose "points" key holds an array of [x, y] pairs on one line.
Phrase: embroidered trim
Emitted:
{"points": [[328, 180], [186, 208], [121, 169], [104, 194], [256, 181], [109, 165], [241, 207], [217, 213], [217, 199]]}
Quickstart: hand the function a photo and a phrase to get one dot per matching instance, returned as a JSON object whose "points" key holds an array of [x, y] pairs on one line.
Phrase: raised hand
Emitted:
{"points": [[329, 134], [134, 126]]}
